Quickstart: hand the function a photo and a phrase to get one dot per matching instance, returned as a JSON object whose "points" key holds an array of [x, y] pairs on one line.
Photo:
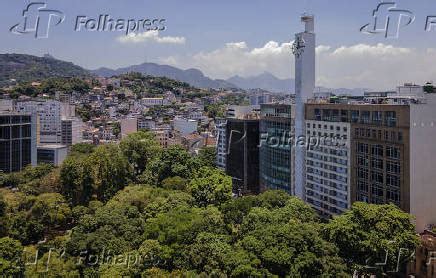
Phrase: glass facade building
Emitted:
{"points": [[275, 154], [17, 142]]}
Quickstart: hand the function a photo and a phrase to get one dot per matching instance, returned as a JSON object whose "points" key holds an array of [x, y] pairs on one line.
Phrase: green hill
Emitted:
{"points": [[29, 68]]}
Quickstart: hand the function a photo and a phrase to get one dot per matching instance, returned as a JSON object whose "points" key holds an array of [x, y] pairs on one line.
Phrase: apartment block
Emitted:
{"points": [[389, 150]]}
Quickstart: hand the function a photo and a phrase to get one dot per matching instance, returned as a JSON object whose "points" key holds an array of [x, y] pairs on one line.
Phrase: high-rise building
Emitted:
{"points": [[276, 159], [387, 159], [242, 160], [71, 131], [17, 141], [328, 163], [304, 51], [49, 118], [221, 145]]}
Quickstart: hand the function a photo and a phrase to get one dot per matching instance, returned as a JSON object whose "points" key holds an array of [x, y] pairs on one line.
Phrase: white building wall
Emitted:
{"points": [[328, 167], [422, 162], [304, 88]]}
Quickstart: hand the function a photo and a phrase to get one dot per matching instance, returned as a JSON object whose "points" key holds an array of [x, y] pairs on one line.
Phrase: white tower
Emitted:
{"points": [[304, 51]]}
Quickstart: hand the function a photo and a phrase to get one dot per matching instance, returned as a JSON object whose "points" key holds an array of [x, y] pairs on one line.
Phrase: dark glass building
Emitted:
{"points": [[242, 137], [17, 141], [275, 155]]}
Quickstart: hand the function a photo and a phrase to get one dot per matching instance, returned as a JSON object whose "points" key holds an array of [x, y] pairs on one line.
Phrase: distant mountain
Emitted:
{"points": [[269, 82], [24, 67], [265, 81], [192, 76]]}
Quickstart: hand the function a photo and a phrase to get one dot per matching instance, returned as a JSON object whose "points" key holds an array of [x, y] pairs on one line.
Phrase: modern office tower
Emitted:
{"points": [[391, 152], [221, 145], [242, 161], [232, 112], [52, 154], [304, 51], [17, 141], [328, 167], [276, 159], [71, 131]]}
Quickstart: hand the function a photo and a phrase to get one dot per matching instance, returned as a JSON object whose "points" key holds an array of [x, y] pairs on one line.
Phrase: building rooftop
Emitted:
{"points": [[52, 146]]}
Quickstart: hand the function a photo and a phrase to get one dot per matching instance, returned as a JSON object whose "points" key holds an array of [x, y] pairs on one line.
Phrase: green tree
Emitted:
{"points": [[76, 180], [207, 156], [51, 209], [110, 171], [367, 232], [210, 186], [11, 264], [171, 162], [140, 148], [288, 242]]}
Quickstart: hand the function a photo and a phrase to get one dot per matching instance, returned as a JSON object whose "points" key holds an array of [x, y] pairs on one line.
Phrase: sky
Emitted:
{"points": [[238, 37]]}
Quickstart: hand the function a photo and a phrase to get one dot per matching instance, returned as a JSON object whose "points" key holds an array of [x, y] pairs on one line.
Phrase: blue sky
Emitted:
{"points": [[207, 28]]}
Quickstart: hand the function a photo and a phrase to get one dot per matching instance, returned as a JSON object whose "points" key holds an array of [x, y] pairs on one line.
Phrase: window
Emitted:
{"points": [[391, 118], [365, 117], [393, 195], [393, 152], [377, 163], [377, 117], [362, 148], [393, 167], [362, 174], [377, 150], [392, 181], [354, 116], [377, 191], [362, 186], [377, 177]]}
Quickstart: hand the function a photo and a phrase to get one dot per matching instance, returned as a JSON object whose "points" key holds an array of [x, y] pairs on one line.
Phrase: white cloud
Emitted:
{"points": [[377, 66], [150, 36]]}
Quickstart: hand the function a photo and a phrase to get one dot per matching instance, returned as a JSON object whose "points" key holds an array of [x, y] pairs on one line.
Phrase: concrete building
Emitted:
{"points": [[391, 152], [48, 118], [128, 126], [239, 111], [276, 159], [71, 131], [328, 164], [17, 141], [221, 146], [304, 51], [185, 126], [160, 101], [258, 99], [52, 154]]}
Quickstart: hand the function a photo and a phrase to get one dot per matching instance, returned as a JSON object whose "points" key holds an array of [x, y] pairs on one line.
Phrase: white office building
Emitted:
{"points": [[328, 165]]}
